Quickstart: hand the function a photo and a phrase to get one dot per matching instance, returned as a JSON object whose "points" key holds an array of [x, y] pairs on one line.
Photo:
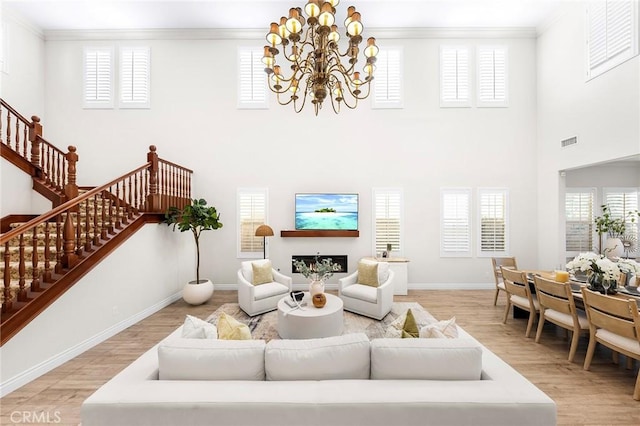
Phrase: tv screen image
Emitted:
{"points": [[327, 211]]}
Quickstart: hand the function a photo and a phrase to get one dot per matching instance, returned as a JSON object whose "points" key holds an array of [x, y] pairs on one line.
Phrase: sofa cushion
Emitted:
{"points": [[328, 358], [265, 291], [440, 329], [261, 272], [361, 292], [247, 268], [195, 328], [210, 359], [426, 359], [230, 328], [368, 273]]}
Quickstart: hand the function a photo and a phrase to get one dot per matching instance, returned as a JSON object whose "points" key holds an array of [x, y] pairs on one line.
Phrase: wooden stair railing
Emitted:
{"points": [[77, 230], [53, 171]]}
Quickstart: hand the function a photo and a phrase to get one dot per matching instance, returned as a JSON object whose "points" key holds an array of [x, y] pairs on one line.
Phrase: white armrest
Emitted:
{"points": [[347, 281], [282, 279], [245, 288]]}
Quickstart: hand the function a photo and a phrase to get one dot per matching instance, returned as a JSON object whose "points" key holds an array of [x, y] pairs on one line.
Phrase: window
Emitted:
{"points": [[493, 214], [252, 212], [135, 64], [387, 221], [492, 76], [621, 201], [455, 222], [387, 82], [98, 77], [454, 76], [579, 226], [252, 90], [612, 34]]}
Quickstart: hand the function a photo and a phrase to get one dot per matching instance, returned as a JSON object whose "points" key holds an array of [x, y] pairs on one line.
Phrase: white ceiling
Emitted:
{"points": [[254, 14]]}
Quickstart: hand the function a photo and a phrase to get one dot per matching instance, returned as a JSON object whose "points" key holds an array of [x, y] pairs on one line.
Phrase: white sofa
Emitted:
{"points": [[343, 380]]}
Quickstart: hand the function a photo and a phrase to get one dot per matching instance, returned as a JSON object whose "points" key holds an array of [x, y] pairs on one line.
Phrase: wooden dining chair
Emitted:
{"points": [[558, 307], [497, 262], [614, 323], [519, 294]]}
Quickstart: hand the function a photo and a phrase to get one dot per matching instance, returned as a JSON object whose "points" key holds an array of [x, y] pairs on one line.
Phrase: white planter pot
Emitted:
{"points": [[197, 293], [613, 248]]}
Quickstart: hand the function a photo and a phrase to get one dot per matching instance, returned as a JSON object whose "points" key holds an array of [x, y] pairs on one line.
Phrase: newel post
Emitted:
{"points": [[153, 199], [71, 188], [35, 130]]}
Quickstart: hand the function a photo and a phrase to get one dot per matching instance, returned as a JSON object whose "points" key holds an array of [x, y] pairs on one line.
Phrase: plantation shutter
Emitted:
{"points": [[492, 76], [493, 238], [388, 207], [252, 90], [98, 77], [387, 82], [612, 34], [455, 222], [135, 64], [252, 212], [454, 77], [621, 201], [579, 224]]}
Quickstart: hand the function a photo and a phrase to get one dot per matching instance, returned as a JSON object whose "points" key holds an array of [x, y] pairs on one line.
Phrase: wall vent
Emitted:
{"points": [[570, 141]]}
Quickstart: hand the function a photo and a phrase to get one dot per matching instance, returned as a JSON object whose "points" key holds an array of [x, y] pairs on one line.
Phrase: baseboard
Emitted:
{"points": [[57, 360]]}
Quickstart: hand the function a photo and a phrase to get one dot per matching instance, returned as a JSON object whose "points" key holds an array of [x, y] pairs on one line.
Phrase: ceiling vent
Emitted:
{"points": [[570, 141]]}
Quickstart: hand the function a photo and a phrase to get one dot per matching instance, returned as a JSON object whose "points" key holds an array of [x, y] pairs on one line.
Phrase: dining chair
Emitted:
{"points": [[497, 262], [519, 294], [614, 323], [558, 307]]}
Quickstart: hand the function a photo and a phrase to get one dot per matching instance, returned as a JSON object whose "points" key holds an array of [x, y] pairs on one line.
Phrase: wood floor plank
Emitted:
{"points": [[601, 396]]}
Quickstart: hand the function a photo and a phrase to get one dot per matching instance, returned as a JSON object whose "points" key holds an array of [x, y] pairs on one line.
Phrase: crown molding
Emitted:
{"points": [[12, 16], [257, 34]]}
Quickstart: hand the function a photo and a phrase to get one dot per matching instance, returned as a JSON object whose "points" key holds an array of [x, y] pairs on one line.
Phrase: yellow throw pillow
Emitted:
{"points": [[262, 273], [230, 328], [410, 327], [368, 274]]}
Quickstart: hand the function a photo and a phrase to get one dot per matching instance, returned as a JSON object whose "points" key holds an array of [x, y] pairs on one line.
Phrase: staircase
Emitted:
{"points": [[43, 256]]}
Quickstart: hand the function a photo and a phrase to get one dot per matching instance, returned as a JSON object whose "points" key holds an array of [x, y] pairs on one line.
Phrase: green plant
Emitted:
{"points": [[320, 270], [614, 227], [195, 217]]}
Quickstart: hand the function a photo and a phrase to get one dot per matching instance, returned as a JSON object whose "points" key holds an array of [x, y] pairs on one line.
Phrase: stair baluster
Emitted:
{"points": [[22, 291], [7, 303], [35, 270], [47, 254]]}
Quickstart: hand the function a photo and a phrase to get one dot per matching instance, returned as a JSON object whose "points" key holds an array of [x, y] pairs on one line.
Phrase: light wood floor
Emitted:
{"points": [[601, 396]]}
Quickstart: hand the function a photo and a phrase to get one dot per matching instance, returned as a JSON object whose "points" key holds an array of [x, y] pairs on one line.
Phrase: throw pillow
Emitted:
{"points": [[262, 273], [195, 328], [368, 273], [440, 330], [410, 328], [422, 318], [230, 328]]}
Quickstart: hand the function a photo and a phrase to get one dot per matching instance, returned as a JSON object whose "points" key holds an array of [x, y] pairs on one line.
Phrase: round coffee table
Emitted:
{"points": [[310, 322]]}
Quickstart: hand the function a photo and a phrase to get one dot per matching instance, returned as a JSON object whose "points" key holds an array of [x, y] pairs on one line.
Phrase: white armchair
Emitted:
{"points": [[374, 302], [260, 298]]}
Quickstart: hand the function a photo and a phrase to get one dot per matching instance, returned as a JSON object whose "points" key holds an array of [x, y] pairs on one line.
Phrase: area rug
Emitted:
{"points": [[264, 327]]}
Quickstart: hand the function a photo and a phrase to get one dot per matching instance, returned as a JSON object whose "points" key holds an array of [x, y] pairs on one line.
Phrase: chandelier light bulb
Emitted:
{"points": [[294, 25], [350, 12], [333, 35], [371, 51], [326, 17], [355, 27], [312, 9]]}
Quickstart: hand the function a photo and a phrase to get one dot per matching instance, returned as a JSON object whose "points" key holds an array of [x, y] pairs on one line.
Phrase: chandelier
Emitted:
{"points": [[317, 67]]}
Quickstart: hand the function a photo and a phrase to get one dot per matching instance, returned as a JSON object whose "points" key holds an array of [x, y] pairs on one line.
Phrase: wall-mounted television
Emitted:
{"points": [[327, 211]]}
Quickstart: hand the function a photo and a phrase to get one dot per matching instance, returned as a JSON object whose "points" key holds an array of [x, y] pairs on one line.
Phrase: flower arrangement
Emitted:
{"points": [[629, 266], [594, 264], [320, 270]]}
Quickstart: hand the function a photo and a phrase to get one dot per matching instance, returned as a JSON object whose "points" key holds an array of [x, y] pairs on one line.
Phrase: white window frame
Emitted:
{"points": [[593, 194], [98, 104], [456, 225], [383, 195], [132, 104], [258, 80], [254, 192], [611, 58], [492, 102], [493, 253], [460, 78], [388, 58]]}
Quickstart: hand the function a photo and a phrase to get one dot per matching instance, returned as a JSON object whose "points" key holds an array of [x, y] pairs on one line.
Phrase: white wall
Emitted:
{"points": [[603, 113], [107, 300], [16, 196], [421, 148], [22, 86]]}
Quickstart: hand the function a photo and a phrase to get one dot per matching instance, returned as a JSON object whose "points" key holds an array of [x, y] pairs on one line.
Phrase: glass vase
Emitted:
{"points": [[316, 287]]}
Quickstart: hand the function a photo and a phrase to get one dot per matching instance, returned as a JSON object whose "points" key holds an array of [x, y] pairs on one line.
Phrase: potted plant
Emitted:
{"points": [[615, 229], [195, 217], [317, 272]]}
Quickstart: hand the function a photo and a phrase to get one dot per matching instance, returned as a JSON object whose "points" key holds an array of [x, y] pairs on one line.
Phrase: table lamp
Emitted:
{"points": [[264, 231]]}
